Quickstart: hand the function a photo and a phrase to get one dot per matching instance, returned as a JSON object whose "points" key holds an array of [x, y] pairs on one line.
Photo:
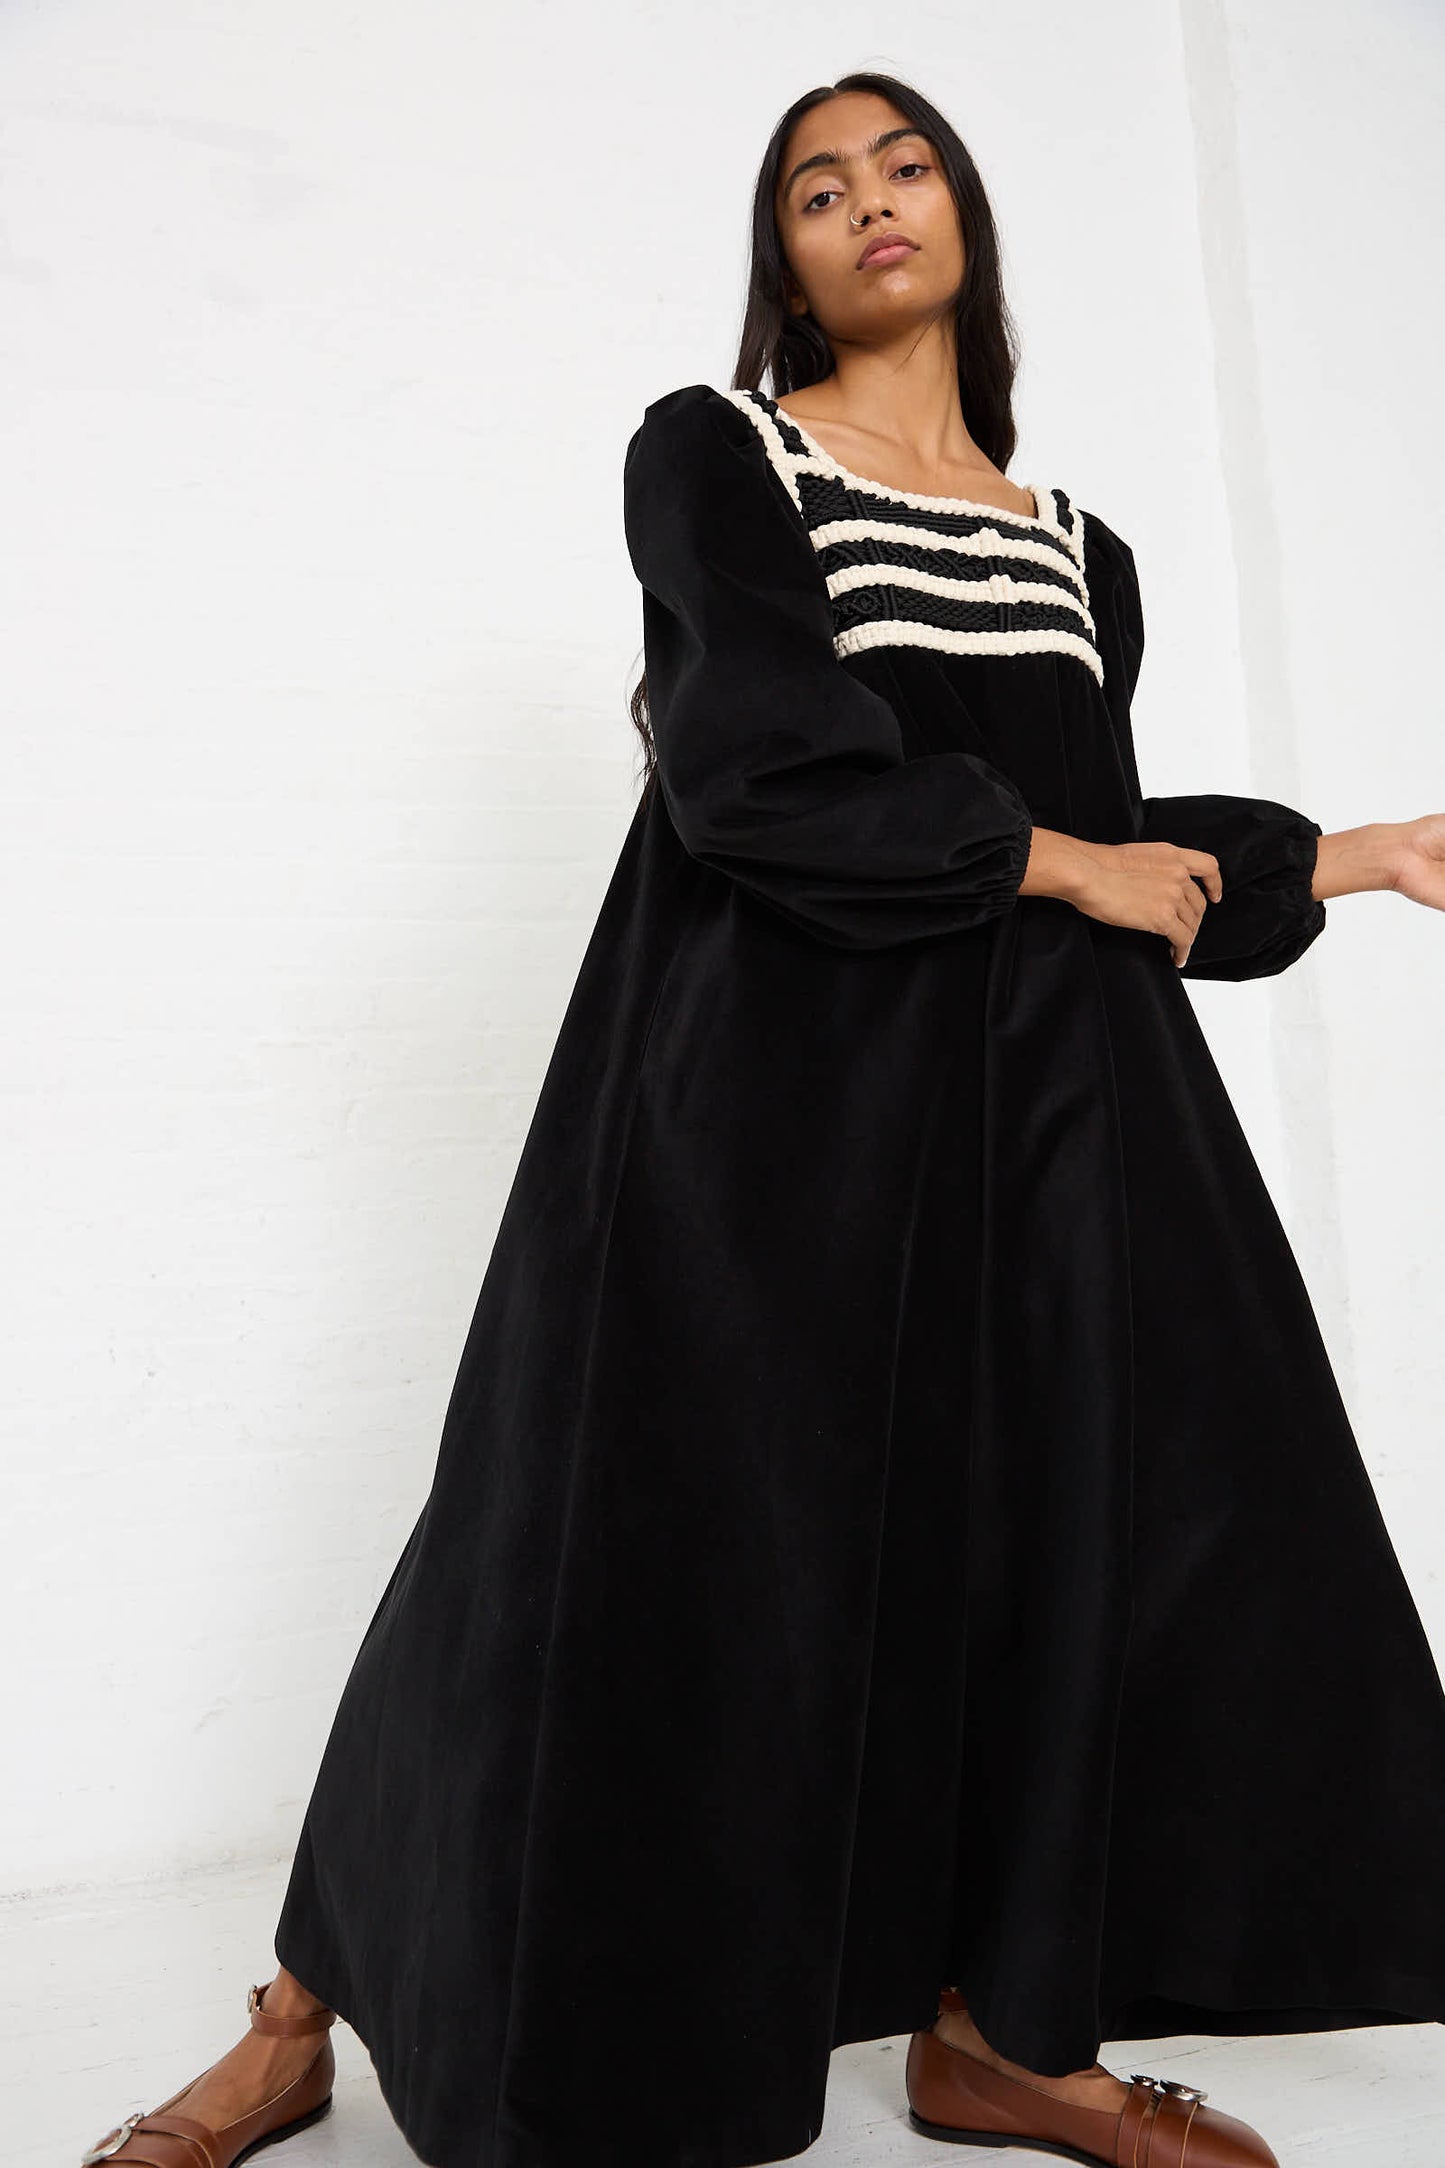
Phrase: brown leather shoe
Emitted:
{"points": [[951, 2094], [164, 2140]]}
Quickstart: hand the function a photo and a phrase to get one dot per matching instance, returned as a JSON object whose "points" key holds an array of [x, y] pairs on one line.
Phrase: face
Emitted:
{"points": [[860, 159]]}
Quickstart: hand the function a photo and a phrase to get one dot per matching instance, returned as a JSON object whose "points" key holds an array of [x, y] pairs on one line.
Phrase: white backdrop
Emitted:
{"points": [[326, 329]]}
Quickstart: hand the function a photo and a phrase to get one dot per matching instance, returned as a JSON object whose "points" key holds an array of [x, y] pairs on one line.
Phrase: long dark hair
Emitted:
{"points": [[793, 351]]}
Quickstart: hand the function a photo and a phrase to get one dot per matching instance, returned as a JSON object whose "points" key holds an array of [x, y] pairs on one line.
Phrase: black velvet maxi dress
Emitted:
{"points": [[895, 1521]]}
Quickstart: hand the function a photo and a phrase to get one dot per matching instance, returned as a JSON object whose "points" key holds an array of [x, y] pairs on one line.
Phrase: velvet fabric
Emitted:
{"points": [[895, 1522]]}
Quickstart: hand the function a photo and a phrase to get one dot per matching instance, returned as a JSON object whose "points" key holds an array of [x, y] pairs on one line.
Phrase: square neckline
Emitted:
{"points": [[919, 499]]}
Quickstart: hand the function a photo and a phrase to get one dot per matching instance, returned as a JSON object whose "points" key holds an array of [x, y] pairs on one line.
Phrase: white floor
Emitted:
{"points": [[112, 1998]]}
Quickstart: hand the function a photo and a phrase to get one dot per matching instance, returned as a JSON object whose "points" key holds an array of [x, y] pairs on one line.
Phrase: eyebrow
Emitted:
{"points": [[841, 158]]}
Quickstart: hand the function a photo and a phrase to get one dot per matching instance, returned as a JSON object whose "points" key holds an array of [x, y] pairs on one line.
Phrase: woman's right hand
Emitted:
{"points": [[1151, 886]]}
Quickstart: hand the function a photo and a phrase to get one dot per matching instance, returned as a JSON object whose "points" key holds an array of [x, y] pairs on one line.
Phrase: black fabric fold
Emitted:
{"points": [[1267, 916]]}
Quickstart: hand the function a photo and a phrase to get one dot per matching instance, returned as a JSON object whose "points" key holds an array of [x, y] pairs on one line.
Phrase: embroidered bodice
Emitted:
{"points": [[905, 569]]}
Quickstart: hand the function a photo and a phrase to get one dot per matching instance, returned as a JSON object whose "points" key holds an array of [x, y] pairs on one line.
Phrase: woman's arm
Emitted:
{"points": [[1407, 856], [1157, 885], [1154, 887]]}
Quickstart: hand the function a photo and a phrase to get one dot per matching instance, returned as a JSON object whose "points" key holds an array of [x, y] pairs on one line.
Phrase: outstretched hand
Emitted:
{"points": [[1419, 858]]}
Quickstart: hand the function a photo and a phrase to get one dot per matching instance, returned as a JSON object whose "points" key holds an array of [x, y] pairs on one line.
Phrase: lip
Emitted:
{"points": [[893, 245]]}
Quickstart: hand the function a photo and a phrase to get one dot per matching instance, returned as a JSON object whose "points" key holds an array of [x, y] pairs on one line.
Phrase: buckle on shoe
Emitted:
{"points": [[1168, 2085], [114, 2139]]}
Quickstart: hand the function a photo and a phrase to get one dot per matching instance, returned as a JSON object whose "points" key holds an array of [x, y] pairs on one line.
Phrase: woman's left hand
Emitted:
{"points": [[1419, 855], [1408, 856]]}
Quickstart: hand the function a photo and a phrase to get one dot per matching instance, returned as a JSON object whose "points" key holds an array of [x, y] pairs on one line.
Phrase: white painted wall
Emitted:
{"points": [[1329, 287], [325, 336]]}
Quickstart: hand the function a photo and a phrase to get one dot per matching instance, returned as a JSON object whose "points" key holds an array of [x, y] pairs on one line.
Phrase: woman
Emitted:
{"points": [[897, 1558]]}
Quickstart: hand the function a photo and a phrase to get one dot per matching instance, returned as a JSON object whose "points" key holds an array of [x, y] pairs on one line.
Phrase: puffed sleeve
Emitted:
{"points": [[1267, 916], [777, 766]]}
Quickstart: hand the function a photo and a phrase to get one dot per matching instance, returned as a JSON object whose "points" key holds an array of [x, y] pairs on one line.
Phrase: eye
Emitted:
{"points": [[910, 165]]}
